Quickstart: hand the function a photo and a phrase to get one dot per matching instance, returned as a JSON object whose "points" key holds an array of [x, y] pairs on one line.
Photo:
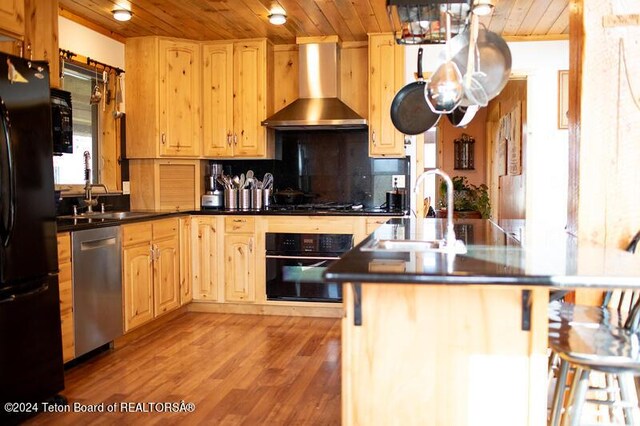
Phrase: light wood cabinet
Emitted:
{"points": [[151, 276], [386, 77], [163, 97], [205, 257], [12, 18], [237, 83], [65, 284], [138, 285], [239, 267], [165, 185], [186, 293]]}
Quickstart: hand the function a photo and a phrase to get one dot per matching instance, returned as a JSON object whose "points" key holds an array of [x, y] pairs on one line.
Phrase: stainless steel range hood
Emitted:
{"points": [[318, 106]]}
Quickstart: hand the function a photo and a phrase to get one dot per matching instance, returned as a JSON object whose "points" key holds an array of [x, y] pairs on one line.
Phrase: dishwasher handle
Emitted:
{"points": [[97, 244]]}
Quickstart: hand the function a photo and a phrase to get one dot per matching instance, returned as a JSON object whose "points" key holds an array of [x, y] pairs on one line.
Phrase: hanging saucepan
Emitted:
{"points": [[410, 113], [493, 65], [462, 115]]}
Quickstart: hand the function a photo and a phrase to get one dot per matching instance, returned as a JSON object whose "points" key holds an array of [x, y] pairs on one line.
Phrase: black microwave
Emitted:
{"points": [[62, 122]]}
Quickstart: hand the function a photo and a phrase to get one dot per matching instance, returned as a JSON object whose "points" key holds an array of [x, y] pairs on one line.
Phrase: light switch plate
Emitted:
{"points": [[400, 180], [126, 187]]}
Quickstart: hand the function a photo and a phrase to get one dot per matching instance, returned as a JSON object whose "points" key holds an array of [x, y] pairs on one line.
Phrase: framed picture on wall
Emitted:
{"points": [[563, 99]]}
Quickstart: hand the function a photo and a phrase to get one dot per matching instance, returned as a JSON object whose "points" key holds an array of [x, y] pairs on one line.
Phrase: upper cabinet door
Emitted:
{"points": [[12, 18], [250, 104], [386, 77], [179, 98], [218, 100]]}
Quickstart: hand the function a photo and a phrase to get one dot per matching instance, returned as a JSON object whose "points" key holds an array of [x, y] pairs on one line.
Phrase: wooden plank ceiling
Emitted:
{"points": [[351, 20]]}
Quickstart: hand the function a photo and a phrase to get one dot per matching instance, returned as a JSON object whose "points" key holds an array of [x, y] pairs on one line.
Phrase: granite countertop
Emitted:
{"points": [[495, 255], [67, 224]]}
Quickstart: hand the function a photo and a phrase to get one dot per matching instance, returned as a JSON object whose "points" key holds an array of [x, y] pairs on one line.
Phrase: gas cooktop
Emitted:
{"points": [[328, 207]]}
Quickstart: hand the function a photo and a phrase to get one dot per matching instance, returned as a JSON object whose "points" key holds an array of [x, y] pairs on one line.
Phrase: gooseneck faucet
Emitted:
{"points": [[450, 239], [88, 197]]}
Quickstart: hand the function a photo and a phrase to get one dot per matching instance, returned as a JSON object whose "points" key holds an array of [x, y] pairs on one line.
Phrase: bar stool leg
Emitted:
{"points": [[611, 394], [577, 396], [630, 398], [558, 393]]}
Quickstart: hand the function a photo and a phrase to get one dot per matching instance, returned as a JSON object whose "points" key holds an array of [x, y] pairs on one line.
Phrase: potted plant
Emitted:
{"points": [[467, 198]]}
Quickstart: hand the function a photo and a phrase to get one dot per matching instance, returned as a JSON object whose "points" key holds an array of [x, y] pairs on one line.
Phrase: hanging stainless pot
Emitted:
{"points": [[462, 115], [493, 60]]}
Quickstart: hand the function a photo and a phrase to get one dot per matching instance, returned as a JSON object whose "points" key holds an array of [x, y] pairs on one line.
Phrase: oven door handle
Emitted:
{"points": [[302, 257]]}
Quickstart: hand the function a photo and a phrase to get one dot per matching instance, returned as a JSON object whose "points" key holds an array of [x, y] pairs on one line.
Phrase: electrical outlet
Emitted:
{"points": [[126, 189], [399, 179]]}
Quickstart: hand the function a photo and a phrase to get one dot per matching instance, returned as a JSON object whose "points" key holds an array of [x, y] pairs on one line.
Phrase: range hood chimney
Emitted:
{"points": [[318, 106]]}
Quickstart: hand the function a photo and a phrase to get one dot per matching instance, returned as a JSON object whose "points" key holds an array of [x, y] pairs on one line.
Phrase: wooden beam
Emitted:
{"points": [[91, 25], [542, 37]]}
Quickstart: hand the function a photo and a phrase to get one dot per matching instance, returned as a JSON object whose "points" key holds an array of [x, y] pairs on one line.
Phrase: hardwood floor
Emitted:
{"points": [[236, 369]]}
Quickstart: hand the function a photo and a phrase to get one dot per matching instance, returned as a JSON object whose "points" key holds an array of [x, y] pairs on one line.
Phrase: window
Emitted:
{"points": [[68, 169]]}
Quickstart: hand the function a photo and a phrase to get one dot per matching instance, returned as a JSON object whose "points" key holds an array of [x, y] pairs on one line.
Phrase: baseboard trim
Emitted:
{"points": [[263, 309]]}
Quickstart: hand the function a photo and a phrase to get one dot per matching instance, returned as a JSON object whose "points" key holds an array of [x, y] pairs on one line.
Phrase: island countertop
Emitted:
{"points": [[504, 254]]}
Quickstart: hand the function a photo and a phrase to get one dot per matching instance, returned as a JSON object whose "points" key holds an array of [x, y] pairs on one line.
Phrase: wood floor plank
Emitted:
{"points": [[236, 369]]}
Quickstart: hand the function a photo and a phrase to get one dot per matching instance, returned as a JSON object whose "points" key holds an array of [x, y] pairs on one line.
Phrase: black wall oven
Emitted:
{"points": [[296, 262]]}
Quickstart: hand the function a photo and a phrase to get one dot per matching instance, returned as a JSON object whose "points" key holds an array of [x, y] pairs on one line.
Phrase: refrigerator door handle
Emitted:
{"points": [[7, 228], [13, 297]]}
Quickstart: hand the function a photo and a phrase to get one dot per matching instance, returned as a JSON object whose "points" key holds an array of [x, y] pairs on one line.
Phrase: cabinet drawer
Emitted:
{"points": [[136, 233], [374, 223], [240, 224], [165, 228], [64, 247]]}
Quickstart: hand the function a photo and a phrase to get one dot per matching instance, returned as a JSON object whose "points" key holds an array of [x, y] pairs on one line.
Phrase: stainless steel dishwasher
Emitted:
{"points": [[97, 287]]}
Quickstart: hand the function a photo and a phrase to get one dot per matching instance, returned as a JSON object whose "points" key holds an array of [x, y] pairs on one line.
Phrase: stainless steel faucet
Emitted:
{"points": [[88, 193], [450, 239]]}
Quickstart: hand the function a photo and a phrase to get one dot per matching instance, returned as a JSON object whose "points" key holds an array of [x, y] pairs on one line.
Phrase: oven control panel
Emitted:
{"points": [[289, 243]]}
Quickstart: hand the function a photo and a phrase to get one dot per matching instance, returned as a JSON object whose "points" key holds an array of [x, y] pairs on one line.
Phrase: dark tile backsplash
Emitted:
{"points": [[327, 165]]}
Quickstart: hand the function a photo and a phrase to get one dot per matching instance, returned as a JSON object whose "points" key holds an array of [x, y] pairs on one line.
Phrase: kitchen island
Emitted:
{"points": [[442, 339]]}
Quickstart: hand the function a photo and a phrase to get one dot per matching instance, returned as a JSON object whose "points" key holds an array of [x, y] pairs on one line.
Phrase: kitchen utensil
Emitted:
{"points": [[105, 90], [410, 113], [493, 59], [462, 115], [474, 93], [242, 180], [236, 182], [444, 90], [96, 94], [267, 181], [118, 98]]}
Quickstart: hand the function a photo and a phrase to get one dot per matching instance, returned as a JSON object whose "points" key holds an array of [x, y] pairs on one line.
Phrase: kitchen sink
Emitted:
{"points": [[414, 246], [108, 215]]}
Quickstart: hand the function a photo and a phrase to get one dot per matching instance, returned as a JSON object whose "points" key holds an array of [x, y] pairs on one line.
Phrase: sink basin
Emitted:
{"points": [[108, 215], [414, 245]]}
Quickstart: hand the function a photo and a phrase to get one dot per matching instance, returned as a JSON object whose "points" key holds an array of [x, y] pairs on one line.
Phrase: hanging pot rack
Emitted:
{"points": [[70, 56], [423, 21]]}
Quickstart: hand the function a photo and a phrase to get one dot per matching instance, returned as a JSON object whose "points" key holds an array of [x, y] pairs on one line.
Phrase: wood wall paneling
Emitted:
{"points": [[41, 34], [506, 192]]}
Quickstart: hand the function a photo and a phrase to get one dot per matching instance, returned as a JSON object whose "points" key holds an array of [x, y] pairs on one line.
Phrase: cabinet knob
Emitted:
{"points": [[250, 245], [229, 138], [235, 139], [373, 137], [164, 138]]}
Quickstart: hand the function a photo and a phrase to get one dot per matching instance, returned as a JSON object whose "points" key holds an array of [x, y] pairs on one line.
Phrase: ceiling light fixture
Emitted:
{"points": [[121, 14], [277, 18], [483, 7]]}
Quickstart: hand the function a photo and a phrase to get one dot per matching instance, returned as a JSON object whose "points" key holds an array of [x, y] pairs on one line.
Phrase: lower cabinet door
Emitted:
{"points": [[205, 258], [166, 275], [66, 312], [138, 285], [239, 276]]}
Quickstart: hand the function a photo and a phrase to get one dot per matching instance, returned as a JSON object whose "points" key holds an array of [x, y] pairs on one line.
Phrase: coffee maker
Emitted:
{"points": [[213, 197]]}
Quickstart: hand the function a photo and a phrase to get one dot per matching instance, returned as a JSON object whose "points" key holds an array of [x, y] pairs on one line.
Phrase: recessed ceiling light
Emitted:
{"points": [[483, 7], [121, 14], [277, 18]]}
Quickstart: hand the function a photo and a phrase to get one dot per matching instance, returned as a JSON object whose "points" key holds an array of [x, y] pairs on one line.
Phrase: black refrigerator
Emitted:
{"points": [[31, 367]]}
